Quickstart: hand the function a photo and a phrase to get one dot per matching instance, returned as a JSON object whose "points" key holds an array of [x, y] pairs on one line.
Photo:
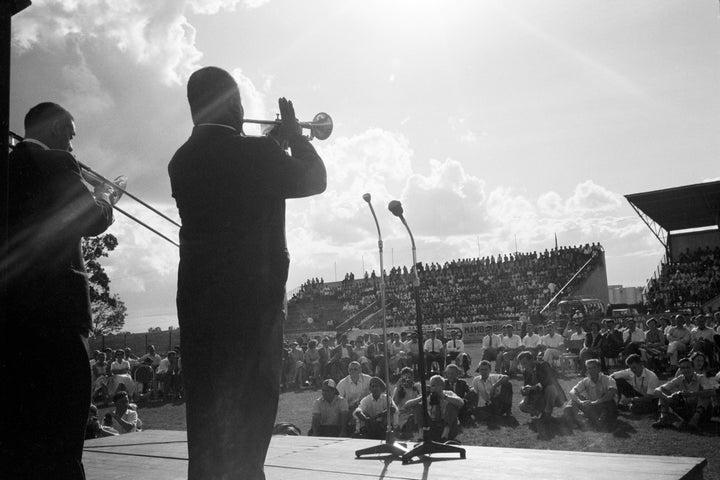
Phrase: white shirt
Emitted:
{"points": [[511, 342], [455, 346], [353, 392], [482, 387], [646, 383], [637, 336], [164, 366], [371, 407], [556, 341], [593, 390], [495, 341], [433, 345], [531, 341], [578, 336]]}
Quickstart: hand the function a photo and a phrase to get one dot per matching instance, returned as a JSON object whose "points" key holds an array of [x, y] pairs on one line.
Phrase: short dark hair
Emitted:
{"points": [[119, 395], [633, 358], [207, 92], [44, 113]]}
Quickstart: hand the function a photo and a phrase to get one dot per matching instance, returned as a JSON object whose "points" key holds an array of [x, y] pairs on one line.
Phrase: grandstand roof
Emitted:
{"points": [[680, 208]]}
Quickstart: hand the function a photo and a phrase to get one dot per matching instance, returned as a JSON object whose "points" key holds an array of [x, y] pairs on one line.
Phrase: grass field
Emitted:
{"points": [[634, 435]]}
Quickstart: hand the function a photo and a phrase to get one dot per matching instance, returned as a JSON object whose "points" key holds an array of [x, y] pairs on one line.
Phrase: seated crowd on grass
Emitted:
{"points": [[620, 367]]}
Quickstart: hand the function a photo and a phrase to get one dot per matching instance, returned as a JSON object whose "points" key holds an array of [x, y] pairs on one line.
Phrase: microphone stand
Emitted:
{"points": [[428, 446], [389, 446]]}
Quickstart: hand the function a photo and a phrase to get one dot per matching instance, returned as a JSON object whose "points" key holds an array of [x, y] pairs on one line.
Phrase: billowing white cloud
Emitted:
{"points": [[212, 7], [155, 34]]}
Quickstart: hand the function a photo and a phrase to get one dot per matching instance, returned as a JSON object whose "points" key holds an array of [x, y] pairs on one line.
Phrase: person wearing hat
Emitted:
{"points": [[372, 411], [685, 400], [329, 412]]}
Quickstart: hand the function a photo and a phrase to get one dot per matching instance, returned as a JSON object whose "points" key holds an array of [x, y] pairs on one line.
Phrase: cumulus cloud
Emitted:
{"points": [[211, 7]]}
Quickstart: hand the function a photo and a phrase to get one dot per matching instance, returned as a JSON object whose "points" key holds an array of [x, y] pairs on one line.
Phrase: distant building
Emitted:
{"points": [[617, 294]]}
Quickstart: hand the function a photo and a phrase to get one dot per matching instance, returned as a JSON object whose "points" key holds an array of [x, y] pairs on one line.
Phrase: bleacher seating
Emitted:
{"points": [[687, 282], [465, 290]]}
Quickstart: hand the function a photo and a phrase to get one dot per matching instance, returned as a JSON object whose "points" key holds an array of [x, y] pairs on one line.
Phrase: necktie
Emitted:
{"points": [[454, 344]]}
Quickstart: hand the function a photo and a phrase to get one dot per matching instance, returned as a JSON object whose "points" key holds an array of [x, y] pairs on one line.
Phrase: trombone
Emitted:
{"points": [[94, 178], [320, 127]]}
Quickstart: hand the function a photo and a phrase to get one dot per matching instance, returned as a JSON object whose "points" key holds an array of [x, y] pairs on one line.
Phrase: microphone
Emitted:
{"points": [[367, 197], [395, 208]]}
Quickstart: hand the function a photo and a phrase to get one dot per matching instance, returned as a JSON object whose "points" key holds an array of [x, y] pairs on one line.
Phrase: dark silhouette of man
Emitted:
{"points": [[230, 191], [45, 305]]}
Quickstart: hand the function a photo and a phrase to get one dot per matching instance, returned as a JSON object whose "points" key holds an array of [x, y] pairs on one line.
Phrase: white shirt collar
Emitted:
{"points": [[36, 142], [216, 125]]}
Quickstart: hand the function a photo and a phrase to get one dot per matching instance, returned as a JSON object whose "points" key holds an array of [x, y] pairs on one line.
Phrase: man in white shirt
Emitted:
{"points": [[372, 412], [702, 338], [490, 344], [531, 341], [551, 343], [329, 412], [633, 338], [636, 387], [491, 393], [167, 375], [455, 352], [594, 396], [434, 352], [354, 388], [510, 346], [685, 400], [124, 419]]}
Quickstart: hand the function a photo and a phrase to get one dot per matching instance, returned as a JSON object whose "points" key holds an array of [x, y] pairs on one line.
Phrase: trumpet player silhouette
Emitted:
{"points": [[230, 191], [45, 306]]}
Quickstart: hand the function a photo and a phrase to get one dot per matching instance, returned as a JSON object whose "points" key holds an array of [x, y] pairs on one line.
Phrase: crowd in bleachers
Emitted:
{"points": [[686, 355], [687, 282], [465, 290]]}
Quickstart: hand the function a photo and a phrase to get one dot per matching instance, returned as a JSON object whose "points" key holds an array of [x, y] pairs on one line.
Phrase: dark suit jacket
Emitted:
{"points": [[50, 209], [461, 387], [230, 191]]}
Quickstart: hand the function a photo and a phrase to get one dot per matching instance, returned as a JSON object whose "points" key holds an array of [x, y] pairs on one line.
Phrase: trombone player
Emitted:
{"points": [[230, 191], [45, 306]]}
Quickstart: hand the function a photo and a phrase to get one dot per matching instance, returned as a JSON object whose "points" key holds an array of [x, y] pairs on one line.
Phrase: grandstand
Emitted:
{"points": [[685, 221], [508, 287]]}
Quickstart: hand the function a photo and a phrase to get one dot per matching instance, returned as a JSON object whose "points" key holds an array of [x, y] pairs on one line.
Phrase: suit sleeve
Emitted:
{"points": [[79, 211], [301, 174]]}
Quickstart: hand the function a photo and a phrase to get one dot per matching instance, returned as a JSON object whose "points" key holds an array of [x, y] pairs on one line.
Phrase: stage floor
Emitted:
{"points": [[162, 455]]}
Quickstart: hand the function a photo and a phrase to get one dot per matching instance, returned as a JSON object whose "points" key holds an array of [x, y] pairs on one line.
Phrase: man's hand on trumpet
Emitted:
{"points": [[289, 126]]}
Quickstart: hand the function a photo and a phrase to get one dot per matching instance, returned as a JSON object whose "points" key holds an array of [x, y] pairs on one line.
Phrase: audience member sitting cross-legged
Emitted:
{"points": [[124, 418], [685, 400], [636, 387], [354, 388], [462, 389], [372, 412], [329, 413], [405, 390], [541, 391], [491, 395], [442, 411], [594, 397]]}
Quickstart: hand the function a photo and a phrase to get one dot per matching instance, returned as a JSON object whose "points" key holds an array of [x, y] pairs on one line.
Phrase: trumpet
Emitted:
{"points": [[320, 127]]}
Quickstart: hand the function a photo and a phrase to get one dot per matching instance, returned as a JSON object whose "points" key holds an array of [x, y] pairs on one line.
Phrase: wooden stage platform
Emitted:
{"points": [[162, 455]]}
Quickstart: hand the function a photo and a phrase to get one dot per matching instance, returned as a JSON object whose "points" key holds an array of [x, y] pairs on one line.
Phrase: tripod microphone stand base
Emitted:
{"points": [[389, 447], [428, 447]]}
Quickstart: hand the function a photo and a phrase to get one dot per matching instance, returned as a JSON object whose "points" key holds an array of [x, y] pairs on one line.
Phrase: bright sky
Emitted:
{"points": [[494, 122]]}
